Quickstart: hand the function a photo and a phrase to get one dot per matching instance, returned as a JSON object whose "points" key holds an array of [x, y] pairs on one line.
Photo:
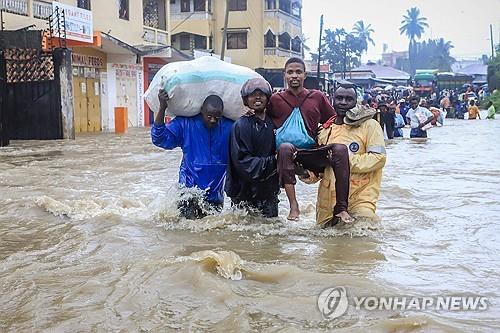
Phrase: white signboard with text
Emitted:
{"points": [[78, 22]]}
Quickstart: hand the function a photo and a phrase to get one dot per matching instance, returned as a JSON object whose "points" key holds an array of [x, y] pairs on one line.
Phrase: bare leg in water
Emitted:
{"points": [[294, 213]]}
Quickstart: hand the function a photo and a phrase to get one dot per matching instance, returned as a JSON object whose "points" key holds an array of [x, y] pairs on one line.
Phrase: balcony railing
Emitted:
{"points": [[15, 6], [276, 51], [279, 14], [191, 15], [42, 9], [155, 36]]}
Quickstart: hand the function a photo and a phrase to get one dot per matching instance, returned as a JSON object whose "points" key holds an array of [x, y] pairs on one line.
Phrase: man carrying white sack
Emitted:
{"points": [[204, 140]]}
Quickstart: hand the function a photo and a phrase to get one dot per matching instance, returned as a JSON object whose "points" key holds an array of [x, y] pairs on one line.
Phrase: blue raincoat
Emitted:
{"points": [[204, 152]]}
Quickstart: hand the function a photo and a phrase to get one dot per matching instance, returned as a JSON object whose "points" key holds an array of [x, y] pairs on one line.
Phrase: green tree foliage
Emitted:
{"points": [[433, 54], [342, 50], [494, 72], [362, 31], [413, 26]]}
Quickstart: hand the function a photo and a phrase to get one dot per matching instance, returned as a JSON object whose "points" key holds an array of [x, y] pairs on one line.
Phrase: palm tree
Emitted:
{"points": [[413, 26], [364, 33], [442, 58]]}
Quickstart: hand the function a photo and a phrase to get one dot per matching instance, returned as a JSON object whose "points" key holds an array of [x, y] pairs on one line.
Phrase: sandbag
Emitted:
{"points": [[188, 83]]}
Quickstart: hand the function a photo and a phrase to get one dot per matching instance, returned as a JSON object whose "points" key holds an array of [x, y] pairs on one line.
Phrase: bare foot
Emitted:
{"points": [[294, 213], [345, 217]]}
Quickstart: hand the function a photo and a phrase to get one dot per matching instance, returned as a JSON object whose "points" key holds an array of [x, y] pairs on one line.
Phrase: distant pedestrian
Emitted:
{"points": [[419, 118], [491, 111], [473, 111]]}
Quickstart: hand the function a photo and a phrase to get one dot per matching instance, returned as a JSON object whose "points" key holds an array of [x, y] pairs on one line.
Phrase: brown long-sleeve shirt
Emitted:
{"points": [[315, 110]]}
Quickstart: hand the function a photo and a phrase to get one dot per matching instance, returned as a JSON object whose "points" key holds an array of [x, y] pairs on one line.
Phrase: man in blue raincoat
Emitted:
{"points": [[204, 140]]}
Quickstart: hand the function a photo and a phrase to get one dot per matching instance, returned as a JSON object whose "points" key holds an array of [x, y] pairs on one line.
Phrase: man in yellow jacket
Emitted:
{"points": [[355, 127]]}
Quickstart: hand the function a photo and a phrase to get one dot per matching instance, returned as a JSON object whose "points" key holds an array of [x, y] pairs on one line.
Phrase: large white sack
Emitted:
{"points": [[188, 83]]}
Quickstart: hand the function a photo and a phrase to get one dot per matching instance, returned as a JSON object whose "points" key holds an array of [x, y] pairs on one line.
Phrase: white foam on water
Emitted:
{"points": [[88, 208], [162, 209]]}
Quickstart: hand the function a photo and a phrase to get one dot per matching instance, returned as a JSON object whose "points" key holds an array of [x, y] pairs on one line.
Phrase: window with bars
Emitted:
{"points": [[269, 39], [185, 42], [237, 5], [85, 4], [270, 4], [284, 41], [296, 9], [236, 40], [285, 6], [123, 11], [296, 44], [199, 5], [185, 6], [200, 42], [154, 14]]}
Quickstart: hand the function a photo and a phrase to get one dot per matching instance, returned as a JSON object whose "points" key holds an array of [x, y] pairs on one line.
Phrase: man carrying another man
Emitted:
{"points": [[296, 113], [355, 128]]}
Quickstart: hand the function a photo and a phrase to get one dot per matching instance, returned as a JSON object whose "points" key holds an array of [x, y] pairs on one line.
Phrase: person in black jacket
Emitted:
{"points": [[385, 117], [252, 178]]}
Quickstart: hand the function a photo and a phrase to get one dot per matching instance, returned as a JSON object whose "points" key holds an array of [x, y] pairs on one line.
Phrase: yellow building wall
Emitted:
{"points": [[197, 27], [14, 22], [105, 19], [251, 19]]}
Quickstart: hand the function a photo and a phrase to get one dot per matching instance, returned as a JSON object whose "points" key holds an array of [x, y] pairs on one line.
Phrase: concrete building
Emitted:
{"points": [[117, 46], [261, 33], [398, 60], [479, 73]]}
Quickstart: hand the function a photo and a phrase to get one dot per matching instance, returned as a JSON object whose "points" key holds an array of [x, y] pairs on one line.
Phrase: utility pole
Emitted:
{"points": [[224, 33], [1, 20], [345, 57], [319, 48], [340, 53], [491, 41]]}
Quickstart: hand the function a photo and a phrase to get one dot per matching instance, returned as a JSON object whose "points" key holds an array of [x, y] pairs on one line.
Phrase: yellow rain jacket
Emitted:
{"points": [[367, 157]]}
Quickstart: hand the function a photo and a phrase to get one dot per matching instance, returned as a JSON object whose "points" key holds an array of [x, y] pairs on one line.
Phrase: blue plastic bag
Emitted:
{"points": [[294, 131]]}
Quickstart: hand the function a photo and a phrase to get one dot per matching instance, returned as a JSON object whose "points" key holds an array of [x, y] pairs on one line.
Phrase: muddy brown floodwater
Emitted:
{"points": [[90, 242]]}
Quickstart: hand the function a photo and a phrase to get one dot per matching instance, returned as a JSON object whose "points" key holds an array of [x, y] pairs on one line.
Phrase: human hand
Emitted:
{"points": [[248, 112], [300, 171], [329, 154], [163, 97]]}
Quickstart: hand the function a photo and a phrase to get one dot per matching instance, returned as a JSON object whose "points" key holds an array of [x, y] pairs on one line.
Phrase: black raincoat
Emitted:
{"points": [[252, 177]]}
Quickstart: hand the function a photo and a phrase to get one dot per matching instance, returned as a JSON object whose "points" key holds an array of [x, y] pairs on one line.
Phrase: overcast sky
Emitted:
{"points": [[464, 23]]}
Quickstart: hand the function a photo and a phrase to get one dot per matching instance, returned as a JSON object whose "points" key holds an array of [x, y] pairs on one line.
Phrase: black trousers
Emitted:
{"points": [[197, 208], [267, 207]]}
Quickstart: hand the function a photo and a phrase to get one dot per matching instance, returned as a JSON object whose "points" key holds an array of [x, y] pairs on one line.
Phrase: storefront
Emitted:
{"points": [[88, 65]]}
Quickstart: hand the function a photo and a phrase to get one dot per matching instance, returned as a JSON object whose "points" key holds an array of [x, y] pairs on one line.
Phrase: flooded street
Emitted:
{"points": [[90, 242]]}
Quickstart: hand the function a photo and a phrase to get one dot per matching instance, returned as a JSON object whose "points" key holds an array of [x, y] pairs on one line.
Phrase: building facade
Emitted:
{"points": [[113, 69], [261, 33]]}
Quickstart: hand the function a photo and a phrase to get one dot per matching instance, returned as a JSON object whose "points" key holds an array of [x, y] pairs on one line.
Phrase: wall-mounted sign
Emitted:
{"points": [[87, 61], [78, 22]]}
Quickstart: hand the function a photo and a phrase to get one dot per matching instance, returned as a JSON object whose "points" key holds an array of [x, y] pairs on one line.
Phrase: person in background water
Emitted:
{"points": [[445, 104], [386, 120], [403, 109], [473, 111], [204, 142], [399, 124], [354, 127], [252, 177], [300, 111], [491, 110], [418, 117]]}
